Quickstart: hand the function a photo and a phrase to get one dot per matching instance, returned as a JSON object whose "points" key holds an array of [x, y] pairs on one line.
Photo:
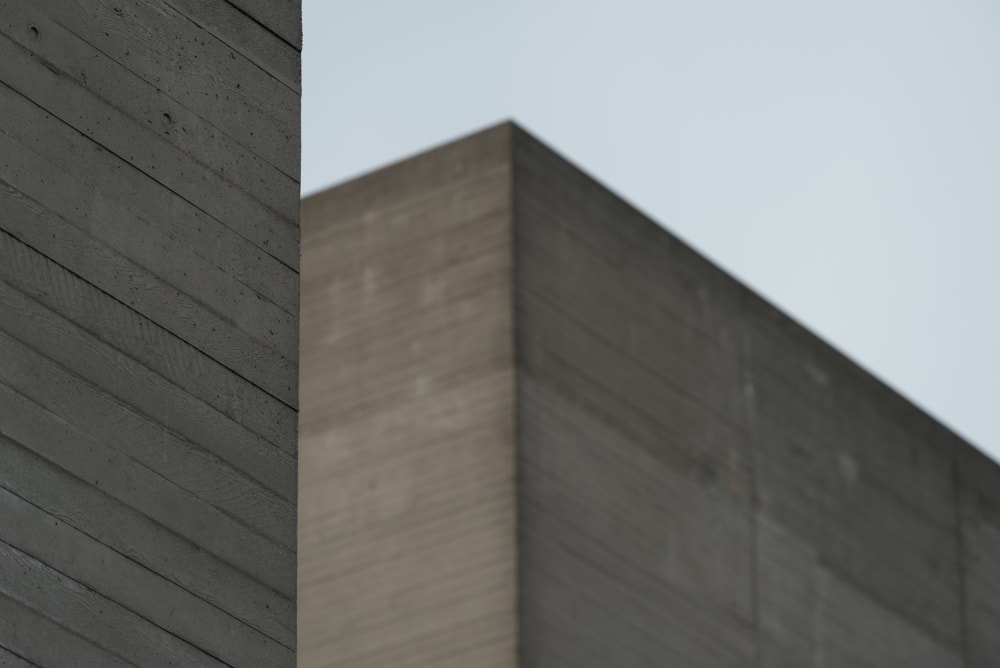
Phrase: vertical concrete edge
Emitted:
{"points": [[512, 135]]}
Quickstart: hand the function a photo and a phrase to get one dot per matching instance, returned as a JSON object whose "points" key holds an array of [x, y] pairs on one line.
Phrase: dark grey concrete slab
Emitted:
{"points": [[11, 660], [149, 247], [636, 523], [130, 585], [846, 471], [672, 426], [48, 334], [979, 512], [812, 616], [160, 45], [42, 642], [123, 328], [153, 156], [86, 507], [86, 613]]}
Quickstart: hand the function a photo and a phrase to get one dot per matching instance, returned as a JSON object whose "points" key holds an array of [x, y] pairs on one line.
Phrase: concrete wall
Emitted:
{"points": [[407, 504], [636, 519], [699, 481], [705, 483], [149, 247]]}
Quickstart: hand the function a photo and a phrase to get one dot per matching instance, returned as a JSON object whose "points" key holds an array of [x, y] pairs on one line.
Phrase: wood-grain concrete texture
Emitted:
{"points": [[149, 308], [636, 519], [406, 469], [697, 481]]}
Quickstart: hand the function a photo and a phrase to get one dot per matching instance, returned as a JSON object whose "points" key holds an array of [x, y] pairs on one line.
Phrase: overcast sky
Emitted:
{"points": [[840, 157]]}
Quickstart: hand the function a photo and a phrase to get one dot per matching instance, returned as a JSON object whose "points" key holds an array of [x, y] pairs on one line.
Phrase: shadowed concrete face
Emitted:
{"points": [[539, 430], [149, 252]]}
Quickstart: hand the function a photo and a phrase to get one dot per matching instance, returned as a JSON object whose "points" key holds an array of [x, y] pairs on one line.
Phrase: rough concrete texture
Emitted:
{"points": [[407, 497], [149, 248], [699, 481]]}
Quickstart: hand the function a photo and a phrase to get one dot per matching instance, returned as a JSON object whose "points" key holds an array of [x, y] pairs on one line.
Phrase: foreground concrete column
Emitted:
{"points": [[149, 311], [539, 430]]}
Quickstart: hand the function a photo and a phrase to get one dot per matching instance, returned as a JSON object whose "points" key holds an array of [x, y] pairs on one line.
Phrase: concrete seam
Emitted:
{"points": [[749, 399], [151, 321], [172, 191], [46, 616], [126, 556], [222, 131], [111, 600]]}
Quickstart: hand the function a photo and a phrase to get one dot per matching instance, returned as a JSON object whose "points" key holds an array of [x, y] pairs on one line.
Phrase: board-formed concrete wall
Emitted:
{"points": [[703, 482], [149, 250], [636, 529], [407, 511], [699, 481]]}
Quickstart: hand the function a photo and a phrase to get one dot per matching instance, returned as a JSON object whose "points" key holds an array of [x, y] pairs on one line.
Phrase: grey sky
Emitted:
{"points": [[843, 158]]}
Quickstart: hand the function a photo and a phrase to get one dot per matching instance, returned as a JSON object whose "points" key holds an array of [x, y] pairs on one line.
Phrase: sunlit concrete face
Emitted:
{"points": [[407, 517], [537, 430]]}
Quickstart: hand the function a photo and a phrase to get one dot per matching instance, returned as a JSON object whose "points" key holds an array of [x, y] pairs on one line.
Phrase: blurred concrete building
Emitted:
{"points": [[149, 249], [538, 430]]}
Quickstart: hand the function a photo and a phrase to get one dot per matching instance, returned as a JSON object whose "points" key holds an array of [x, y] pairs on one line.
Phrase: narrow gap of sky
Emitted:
{"points": [[841, 158]]}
